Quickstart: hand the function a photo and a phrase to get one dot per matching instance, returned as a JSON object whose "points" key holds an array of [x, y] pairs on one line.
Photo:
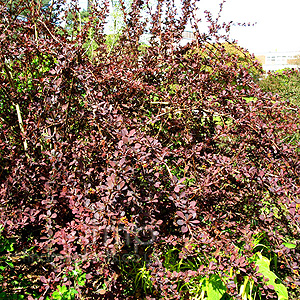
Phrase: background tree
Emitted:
{"points": [[295, 60], [27, 8], [284, 83]]}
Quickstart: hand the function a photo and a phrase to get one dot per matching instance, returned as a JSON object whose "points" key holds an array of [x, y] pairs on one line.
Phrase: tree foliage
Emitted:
{"points": [[285, 83], [159, 153]]}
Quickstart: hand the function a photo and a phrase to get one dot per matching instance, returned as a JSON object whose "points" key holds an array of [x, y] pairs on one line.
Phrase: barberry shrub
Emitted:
{"points": [[155, 170]]}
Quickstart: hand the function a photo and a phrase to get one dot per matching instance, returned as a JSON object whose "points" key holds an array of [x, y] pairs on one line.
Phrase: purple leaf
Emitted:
{"points": [[177, 189], [184, 229], [180, 222], [180, 214]]}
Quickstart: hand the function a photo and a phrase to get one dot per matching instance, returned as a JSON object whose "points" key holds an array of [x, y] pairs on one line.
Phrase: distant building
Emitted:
{"points": [[187, 37], [273, 61]]}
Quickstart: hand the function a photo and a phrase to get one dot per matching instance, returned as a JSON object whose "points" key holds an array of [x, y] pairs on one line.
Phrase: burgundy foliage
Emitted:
{"points": [[162, 137]]}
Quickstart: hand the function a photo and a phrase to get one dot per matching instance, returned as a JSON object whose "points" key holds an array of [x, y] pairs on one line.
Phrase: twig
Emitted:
{"points": [[50, 32], [21, 125]]}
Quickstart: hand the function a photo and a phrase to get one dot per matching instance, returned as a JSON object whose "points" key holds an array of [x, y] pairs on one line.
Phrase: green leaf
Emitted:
{"points": [[10, 264], [56, 295], [10, 247], [73, 292], [62, 289], [289, 245], [81, 280], [264, 267], [215, 288]]}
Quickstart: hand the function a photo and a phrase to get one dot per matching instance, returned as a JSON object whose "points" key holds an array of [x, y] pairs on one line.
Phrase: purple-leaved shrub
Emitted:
{"points": [[109, 150]]}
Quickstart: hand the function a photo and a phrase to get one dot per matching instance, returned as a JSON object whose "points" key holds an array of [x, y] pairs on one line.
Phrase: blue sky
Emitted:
{"points": [[277, 28]]}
